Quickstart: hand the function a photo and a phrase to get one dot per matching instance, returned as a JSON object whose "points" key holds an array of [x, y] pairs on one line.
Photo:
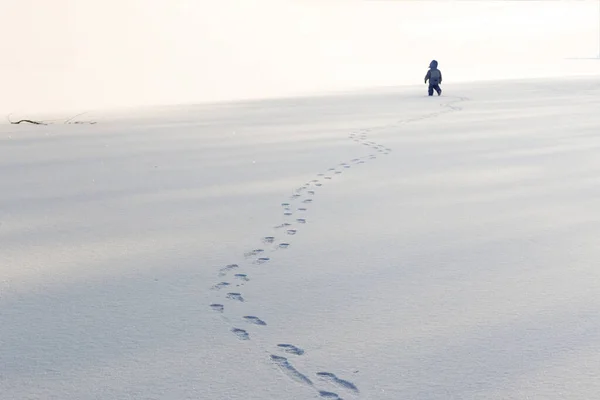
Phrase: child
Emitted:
{"points": [[434, 76]]}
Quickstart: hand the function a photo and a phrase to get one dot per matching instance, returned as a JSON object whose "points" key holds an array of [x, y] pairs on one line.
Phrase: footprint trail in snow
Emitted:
{"points": [[294, 211]]}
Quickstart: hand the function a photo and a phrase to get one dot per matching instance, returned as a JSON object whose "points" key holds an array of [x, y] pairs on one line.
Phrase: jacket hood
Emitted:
{"points": [[433, 64]]}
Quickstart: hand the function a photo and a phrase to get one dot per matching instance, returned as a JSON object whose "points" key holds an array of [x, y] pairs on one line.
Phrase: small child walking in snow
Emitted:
{"points": [[434, 76]]}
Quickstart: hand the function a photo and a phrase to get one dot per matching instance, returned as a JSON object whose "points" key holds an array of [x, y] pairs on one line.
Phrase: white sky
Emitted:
{"points": [[76, 54]]}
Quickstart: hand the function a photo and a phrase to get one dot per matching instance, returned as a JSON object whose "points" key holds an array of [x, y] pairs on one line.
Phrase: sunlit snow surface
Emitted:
{"points": [[372, 245]]}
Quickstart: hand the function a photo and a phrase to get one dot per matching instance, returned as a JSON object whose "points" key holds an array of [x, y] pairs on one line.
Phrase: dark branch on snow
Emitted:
{"points": [[68, 121], [29, 121]]}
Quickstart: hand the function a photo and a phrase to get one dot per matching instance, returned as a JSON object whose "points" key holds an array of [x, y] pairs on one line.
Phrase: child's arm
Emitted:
{"points": [[440, 76], [427, 76]]}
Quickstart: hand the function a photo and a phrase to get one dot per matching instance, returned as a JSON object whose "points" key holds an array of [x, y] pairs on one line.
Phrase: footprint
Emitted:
{"points": [[302, 209], [289, 370], [268, 239], [220, 285], [285, 224], [254, 252], [307, 201], [291, 349], [262, 260], [312, 192], [254, 320], [291, 231], [328, 376], [235, 296], [301, 220], [284, 245], [329, 395], [223, 271], [240, 333], [318, 184], [217, 307], [319, 175], [285, 204], [242, 277], [287, 213], [338, 172], [327, 177]]}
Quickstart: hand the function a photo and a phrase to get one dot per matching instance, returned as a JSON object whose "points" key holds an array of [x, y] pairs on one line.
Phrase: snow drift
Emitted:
{"points": [[374, 245]]}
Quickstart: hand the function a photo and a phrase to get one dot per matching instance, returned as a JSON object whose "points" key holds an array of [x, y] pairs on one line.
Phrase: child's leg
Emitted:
{"points": [[430, 90], [438, 89]]}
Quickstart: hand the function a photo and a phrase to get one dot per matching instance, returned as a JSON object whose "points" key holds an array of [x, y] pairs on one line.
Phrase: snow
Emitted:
{"points": [[460, 265]]}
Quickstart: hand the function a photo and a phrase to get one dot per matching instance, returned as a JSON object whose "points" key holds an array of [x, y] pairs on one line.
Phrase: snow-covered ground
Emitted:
{"points": [[448, 248]]}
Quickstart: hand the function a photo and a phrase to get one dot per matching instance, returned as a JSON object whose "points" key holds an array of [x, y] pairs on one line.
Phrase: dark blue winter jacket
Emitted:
{"points": [[434, 75]]}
